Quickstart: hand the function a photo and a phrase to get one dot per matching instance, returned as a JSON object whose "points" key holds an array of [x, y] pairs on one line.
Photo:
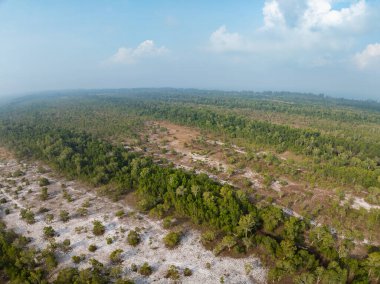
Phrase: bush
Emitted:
{"points": [[134, 267], [109, 240], [133, 238], [49, 218], [44, 194], [98, 228], [28, 216], [78, 258], [92, 248], [167, 222], [172, 273], [187, 272], [82, 211], [145, 269], [115, 256], [120, 213], [208, 237], [49, 232], [43, 182], [172, 239], [64, 216], [66, 245]]}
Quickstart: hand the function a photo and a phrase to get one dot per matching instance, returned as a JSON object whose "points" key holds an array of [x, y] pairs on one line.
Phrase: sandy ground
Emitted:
{"points": [[189, 254]]}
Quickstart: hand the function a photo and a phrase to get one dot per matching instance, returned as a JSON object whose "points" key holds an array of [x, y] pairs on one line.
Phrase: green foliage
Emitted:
{"points": [[172, 273], [78, 258], [133, 238], [49, 232], [28, 216], [44, 194], [92, 248], [98, 228], [187, 272], [172, 239], [115, 256], [64, 216], [43, 182], [145, 269]]}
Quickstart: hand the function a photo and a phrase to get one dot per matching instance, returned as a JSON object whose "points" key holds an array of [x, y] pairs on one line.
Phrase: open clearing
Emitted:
{"points": [[24, 192]]}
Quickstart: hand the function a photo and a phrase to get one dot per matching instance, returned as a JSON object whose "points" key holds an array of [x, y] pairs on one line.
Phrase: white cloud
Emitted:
{"points": [[273, 15], [300, 30], [222, 40], [147, 48], [320, 14], [369, 56]]}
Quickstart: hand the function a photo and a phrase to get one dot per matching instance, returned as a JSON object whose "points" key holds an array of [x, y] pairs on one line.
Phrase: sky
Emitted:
{"points": [[319, 46]]}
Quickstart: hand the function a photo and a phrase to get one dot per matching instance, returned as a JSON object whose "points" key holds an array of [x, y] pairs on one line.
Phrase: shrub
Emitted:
{"points": [[49, 232], [28, 216], [42, 210], [115, 256], [120, 213], [78, 258], [82, 211], [98, 228], [208, 237], [172, 239], [44, 194], [67, 195], [145, 269], [133, 238], [92, 248], [187, 272], [49, 218], [167, 222], [86, 204], [64, 216], [134, 267], [66, 245], [43, 182], [109, 240], [172, 273]]}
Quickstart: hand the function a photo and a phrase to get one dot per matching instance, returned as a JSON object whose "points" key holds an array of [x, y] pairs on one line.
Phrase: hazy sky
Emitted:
{"points": [[320, 46]]}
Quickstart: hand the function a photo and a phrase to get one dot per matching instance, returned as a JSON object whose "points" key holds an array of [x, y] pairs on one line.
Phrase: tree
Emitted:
{"points": [[247, 223]]}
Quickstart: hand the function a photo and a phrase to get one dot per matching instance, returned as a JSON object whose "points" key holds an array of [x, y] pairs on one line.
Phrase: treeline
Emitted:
{"points": [[340, 159], [290, 246], [348, 160]]}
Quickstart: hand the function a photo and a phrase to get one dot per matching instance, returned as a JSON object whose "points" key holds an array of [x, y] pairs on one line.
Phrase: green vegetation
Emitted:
{"points": [[172, 239], [337, 145], [145, 269], [49, 232], [133, 238], [98, 228]]}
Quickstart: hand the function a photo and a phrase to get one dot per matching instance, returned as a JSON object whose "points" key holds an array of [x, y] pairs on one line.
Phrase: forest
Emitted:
{"points": [[79, 135]]}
